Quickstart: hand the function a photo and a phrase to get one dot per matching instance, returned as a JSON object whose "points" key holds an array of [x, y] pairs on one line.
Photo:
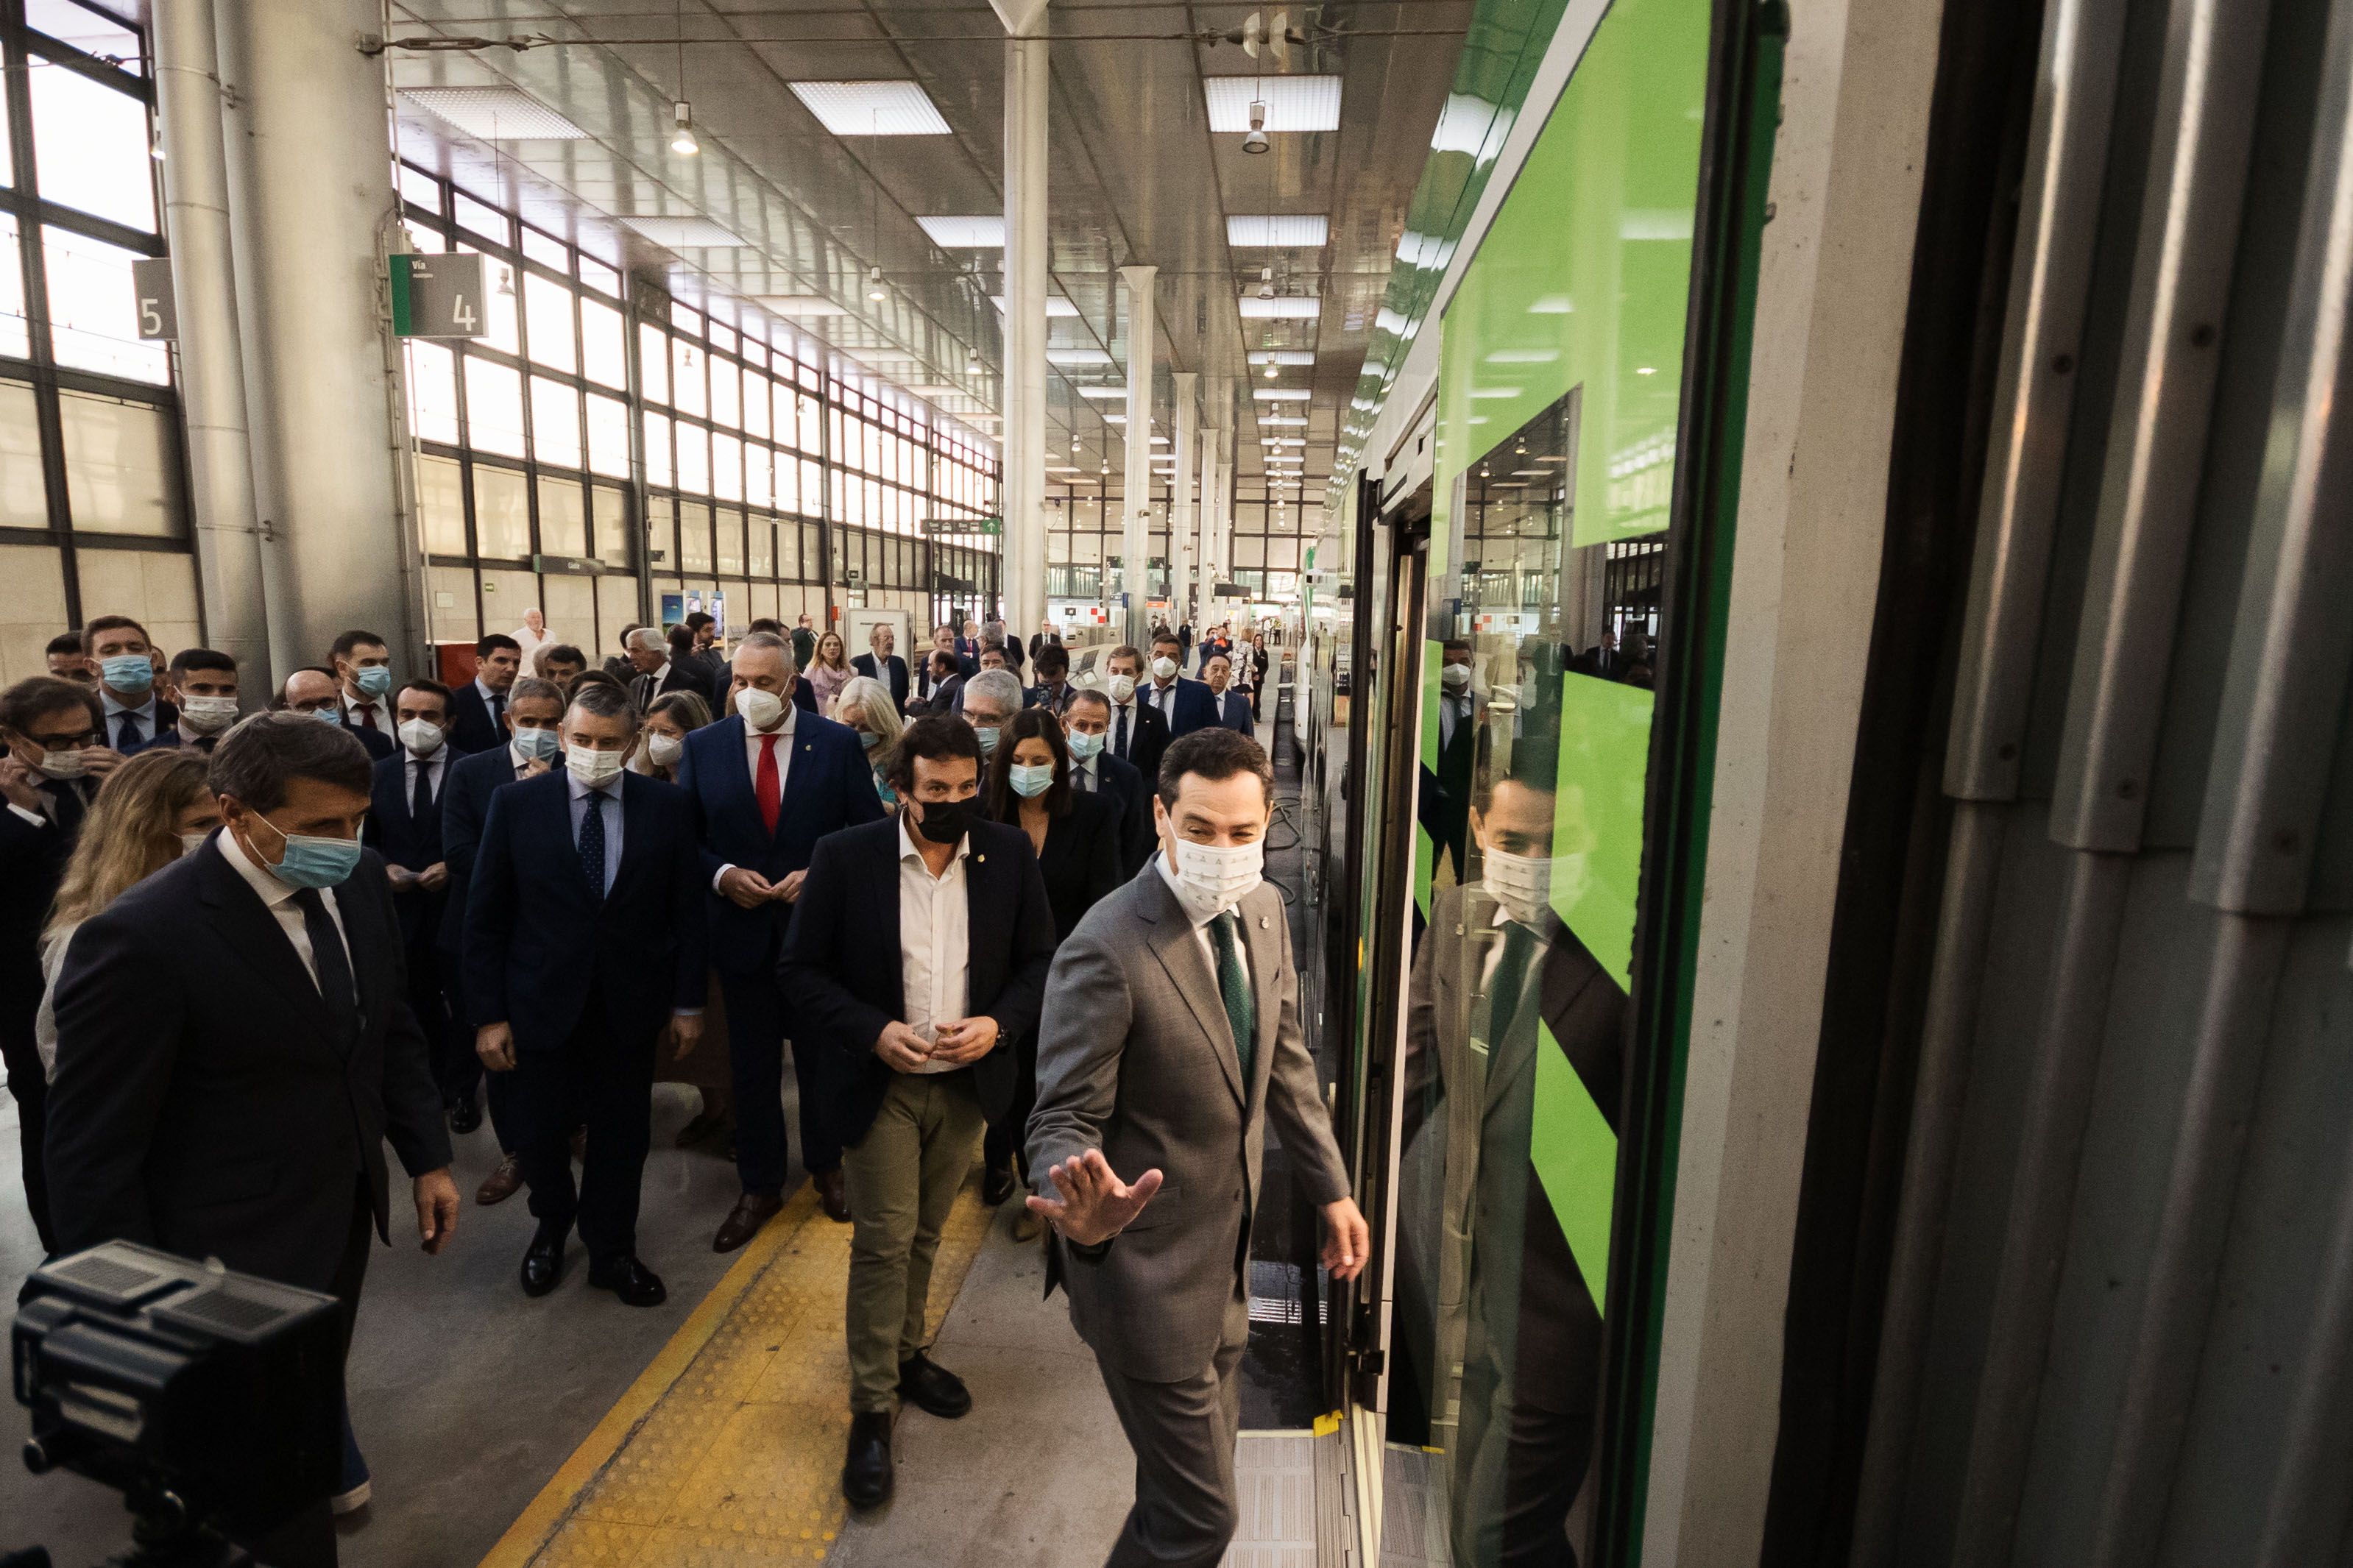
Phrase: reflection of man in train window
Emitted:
{"points": [[1448, 811], [1498, 980], [1603, 657]]}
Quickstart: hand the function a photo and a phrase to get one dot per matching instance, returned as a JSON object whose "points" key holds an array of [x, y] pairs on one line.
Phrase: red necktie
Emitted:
{"points": [[367, 716], [768, 789]]}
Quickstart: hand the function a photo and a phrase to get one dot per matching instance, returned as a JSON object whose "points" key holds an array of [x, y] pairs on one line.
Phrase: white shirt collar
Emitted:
{"points": [[488, 694], [908, 846], [114, 705], [259, 877]]}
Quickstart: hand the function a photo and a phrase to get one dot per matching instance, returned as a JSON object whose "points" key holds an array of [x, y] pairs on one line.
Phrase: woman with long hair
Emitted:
{"points": [[662, 740], [1076, 839], [829, 671], [864, 704], [151, 811]]}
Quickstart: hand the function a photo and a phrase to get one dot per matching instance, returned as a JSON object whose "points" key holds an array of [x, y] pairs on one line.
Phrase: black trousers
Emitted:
{"points": [[757, 1020], [1008, 1142], [449, 1045], [30, 1089], [609, 1080]]}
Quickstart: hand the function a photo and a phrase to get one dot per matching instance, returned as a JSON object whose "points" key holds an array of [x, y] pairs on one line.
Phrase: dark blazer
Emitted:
{"points": [[1237, 715], [32, 863], [947, 696], [201, 1105], [466, 793], [683, 675], [1082, 860], [472, 726], [537, 941], [925, 686], [895, 677], [1125, 788], [841, 958], [410, 842], [1193, 708], [827, 787], [376, 743], [1144, 747]]}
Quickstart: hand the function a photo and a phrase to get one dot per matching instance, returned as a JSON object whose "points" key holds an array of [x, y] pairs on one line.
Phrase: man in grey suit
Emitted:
{"points": [[1170, 1035]]}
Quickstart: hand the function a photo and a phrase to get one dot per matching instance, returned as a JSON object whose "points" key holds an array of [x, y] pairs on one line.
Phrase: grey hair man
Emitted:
{"points": [[991, 699]]}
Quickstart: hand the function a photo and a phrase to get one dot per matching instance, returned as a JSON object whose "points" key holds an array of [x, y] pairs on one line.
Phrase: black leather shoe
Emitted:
{"points": [[632, 1281], [928, 1386], [543, 1262], [867, 1473], [997, 1185], [465, 1115]]}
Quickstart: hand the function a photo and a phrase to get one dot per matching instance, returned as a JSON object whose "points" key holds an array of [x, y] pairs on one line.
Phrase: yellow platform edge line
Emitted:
{"points": [[545, 1514]]}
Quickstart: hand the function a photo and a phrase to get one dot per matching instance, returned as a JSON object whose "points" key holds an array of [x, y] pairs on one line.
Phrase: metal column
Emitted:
{"points": [[1026, 65], [212, 358], [313, 183], [1135, 485], [1206, 565], [1180, 500]]}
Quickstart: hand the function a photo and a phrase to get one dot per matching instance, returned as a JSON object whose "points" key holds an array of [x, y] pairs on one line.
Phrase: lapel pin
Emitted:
{"points": [[980, 859]]}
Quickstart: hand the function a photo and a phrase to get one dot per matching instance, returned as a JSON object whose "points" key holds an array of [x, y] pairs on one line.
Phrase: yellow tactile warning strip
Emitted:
{"points": [[727, 1452]]}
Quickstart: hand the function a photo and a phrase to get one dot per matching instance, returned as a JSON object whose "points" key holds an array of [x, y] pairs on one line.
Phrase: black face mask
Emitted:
{"points": [[945, 821]]}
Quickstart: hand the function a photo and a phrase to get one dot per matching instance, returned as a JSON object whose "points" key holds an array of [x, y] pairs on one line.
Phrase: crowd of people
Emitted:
{"points": [[241, 954]]}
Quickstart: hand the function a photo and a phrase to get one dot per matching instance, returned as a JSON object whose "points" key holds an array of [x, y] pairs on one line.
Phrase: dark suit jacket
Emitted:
{"points": [[1144, 747], [407, 841], [1125, 788], [1083, 861], [895, 676], [1237, 715], [472, 726], [200, 1105], [376, 743], [925, 686], [683, 675], [827, 787], [32, 862], [466, 793], [538, 942], [841, 958], [1193, 708], [947, 696]]}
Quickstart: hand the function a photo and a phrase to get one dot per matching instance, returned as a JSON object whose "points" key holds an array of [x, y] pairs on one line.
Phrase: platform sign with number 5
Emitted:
{"points": [[151, 288], [438, 296]]}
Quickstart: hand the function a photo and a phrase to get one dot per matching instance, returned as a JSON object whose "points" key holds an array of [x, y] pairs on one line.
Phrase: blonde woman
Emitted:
{"points": [[662, 740], [829, 671], [864, 704], [151, 811]]}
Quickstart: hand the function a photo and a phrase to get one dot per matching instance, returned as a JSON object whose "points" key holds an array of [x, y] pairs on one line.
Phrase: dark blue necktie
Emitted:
{"points": [[592, 844], [126, 732], [333, 966]]}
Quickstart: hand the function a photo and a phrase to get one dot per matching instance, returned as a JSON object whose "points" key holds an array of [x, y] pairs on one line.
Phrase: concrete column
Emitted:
{"points": [[1180, 501], [1136, 487], [212, 357], [1207, 571], [311, 177], [1023, 431]]}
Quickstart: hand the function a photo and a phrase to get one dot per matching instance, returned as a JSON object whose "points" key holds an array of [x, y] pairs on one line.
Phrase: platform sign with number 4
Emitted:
{"points": [[438, 296]]}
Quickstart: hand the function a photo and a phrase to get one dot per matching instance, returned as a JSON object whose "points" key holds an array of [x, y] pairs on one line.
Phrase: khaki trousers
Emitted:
{"points": [[902, 1178]]}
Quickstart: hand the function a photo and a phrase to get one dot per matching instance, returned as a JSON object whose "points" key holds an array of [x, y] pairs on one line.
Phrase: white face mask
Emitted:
{"points": [[1123, 687], [1454, 677], [192, 842], [764, 711], [422, 738], [664, 751], [1524, 884], [63, 764], [1215, 878], [591, 766], [207, 715], [1164, 668]]}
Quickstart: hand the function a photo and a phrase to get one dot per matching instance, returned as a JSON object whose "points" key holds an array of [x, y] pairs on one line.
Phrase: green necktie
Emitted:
{"points": [[1233, 985]]}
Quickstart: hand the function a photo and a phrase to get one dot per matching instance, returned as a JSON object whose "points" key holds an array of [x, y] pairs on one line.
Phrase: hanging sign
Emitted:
{"points": [[438, 296], [151, 286]]}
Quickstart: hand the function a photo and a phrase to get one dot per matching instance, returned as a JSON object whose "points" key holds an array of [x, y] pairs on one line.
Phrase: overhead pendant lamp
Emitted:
{"points": [[682, 139]]}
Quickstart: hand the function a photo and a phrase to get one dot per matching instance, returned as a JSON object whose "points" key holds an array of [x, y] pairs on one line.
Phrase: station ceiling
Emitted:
{"points": [[777, 207]]}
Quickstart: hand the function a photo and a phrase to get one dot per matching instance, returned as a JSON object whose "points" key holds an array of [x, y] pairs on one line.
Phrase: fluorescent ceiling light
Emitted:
{"points": [[683, 233], [870, 108], [1494, 392], [1291, 231], [1160, 441], [495, 114], [1282, 308], [1280, 441], [1293, 102], [1104, 394], [1524, 356], [930, 390], [1064, 470], [986, 232], [1280, 394], [801, 305], [1552, 305], [1282, 356], [1077, 356], [1469, 123], [1055, 305]]}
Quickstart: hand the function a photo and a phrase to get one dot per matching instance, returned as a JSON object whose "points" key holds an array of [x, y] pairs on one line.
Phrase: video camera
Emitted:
{"points": [[208, 1399]]}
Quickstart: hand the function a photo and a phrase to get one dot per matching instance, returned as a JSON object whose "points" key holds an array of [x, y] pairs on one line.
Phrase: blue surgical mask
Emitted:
{"points": [[869, 738], [987, 737], [129, 671], [1030, 780], [538, 745], [310, 861], [330, 714], [1083, 746], [374, 681]]}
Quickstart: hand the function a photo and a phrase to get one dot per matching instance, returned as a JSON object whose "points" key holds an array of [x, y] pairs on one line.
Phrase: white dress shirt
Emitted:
{"points": [[1165, 699], [751, 739], [435, 764], [353, 705], [280, 898], [142, 714], [935, 939]]}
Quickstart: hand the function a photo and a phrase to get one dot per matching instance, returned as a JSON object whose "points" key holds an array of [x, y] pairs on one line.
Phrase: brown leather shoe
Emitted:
{"points": [[500, 1185], [832, 1195], [751, 1211]]}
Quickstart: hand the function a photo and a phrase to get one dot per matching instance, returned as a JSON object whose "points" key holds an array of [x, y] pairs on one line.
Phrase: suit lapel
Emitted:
{"points": [[1177, 947], [634, 831], [249, 930], [1264, 943]]}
